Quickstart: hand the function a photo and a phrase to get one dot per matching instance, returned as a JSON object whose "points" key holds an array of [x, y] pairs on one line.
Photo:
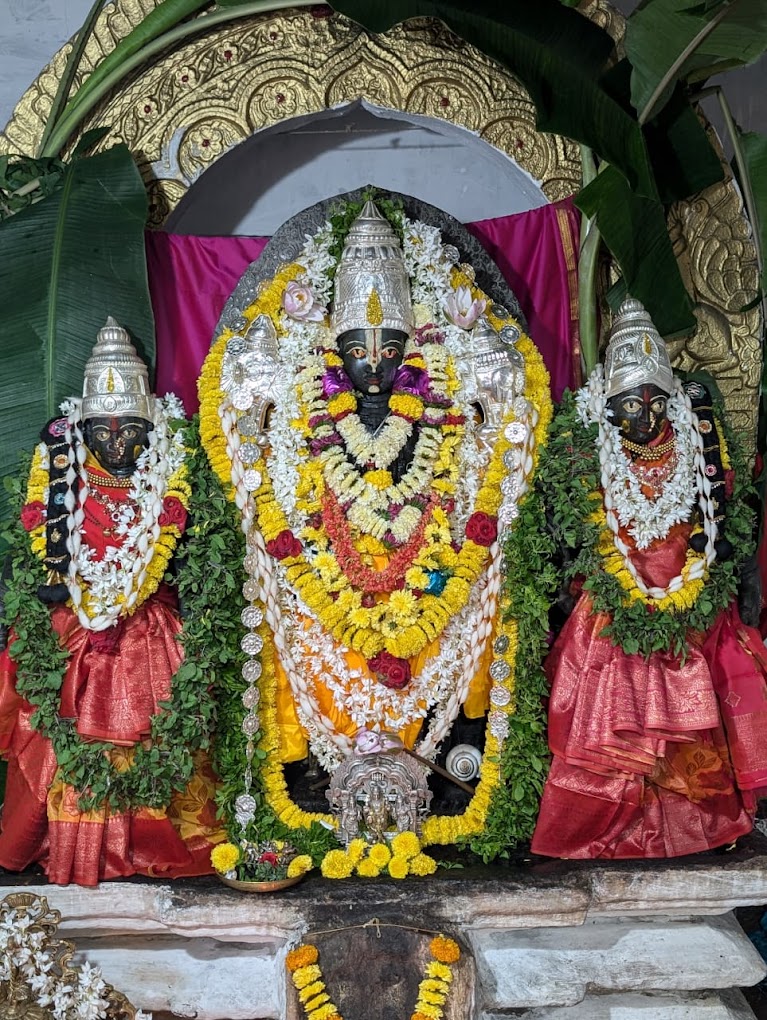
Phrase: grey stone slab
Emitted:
{"points": [[559, 967], [728, 1005], [201, 978]]}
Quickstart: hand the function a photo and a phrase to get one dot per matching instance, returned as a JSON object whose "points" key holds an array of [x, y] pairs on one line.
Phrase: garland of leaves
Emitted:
{"points": [[184, 724], [223, 535], [569, 477], [530, 581]]}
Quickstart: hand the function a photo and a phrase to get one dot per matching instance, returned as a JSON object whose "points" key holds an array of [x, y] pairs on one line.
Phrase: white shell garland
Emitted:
{"points": [[114, 582], [626, 505]]}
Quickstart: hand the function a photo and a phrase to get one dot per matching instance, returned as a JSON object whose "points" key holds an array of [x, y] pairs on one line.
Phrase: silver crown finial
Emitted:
{"points": [[116, 381], [636, 354]]}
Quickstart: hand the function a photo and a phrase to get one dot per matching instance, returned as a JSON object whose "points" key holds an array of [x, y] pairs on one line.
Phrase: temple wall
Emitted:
{"points": [[554, 941]]}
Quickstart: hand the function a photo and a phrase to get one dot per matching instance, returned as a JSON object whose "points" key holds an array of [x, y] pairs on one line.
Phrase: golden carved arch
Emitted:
{"points": [[192, 105]]}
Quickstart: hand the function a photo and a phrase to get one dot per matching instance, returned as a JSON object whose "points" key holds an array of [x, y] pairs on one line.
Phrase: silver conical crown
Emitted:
{"points": [[372, 286], [116, 380], [636, 354]]}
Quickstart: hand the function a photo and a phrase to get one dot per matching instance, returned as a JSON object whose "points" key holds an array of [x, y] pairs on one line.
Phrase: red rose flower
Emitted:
{"points": [[284, 545], [268, 858], [482, 528], [32, 515], [391, 671], [173, 512]]}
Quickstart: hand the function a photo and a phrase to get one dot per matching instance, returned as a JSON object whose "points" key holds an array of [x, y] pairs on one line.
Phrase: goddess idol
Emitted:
{"points": [[658, 708], [377, 417], [96, 721]]}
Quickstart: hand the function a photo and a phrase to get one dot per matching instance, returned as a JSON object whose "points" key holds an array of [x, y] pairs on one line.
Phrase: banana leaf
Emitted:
{"points": [[70, 70], [69, 261], [710, 37], [754, 147], [556, 53], [165, 16], [634, 229], [682, 157]]}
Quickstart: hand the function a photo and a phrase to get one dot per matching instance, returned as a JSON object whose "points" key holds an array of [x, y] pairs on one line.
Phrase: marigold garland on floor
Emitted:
{"points": [[433, 990]]}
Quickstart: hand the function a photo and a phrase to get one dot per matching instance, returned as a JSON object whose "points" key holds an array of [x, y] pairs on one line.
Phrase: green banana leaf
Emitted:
{"points": [[754, 148], [660, 32], [557, 54], [634, 229], [70, 70], [164, 17], [69, 261], [681, 153]]}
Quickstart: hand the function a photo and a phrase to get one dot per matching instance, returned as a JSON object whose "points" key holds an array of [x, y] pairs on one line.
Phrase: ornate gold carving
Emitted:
{"points": [[194, 104], [716, 253], [39, 925]]}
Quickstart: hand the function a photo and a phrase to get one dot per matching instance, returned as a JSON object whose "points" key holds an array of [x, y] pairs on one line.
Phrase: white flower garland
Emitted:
{"points": [[625, 504], [305, 649], [23, 952], [114, 582]]}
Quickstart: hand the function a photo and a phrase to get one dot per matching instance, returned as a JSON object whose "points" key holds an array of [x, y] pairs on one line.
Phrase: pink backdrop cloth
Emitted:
{"points": [[191, 278]]}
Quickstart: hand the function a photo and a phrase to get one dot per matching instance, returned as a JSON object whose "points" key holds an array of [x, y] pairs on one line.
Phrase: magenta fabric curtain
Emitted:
{"points": [[190, 279]]}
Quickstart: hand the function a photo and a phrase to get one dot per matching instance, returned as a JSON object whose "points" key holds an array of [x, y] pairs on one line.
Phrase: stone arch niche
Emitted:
{"points": [[249, 78]]}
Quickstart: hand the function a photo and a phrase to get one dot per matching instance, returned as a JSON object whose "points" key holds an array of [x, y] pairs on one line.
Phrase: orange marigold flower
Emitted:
{"points": [[302, 956], [445, 950]]}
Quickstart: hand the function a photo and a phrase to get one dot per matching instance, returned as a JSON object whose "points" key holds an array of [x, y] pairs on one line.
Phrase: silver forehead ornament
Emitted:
{"points": [[636, 354], [116, 381]]}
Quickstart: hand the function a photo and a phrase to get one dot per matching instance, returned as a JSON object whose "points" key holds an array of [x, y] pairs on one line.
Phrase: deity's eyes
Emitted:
{"points": [[391, 352], [632, 405], [658, 406], [358, 353], [102, 434]]}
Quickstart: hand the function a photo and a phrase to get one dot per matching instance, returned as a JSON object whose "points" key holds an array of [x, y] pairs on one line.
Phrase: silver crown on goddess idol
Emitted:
{"points": [[636, 354], [116, 381], [372, 288]]}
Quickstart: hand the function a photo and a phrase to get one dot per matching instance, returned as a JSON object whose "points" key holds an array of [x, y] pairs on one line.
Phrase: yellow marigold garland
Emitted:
{"points": [[437, 829], [433, 989]]}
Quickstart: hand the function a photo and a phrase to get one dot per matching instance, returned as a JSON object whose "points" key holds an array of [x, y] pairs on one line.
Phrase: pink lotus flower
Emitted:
{"points": [[299, 302], [462, 310]]}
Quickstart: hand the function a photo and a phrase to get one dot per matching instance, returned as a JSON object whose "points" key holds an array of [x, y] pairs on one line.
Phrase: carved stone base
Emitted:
{"points": [[559, 940]]}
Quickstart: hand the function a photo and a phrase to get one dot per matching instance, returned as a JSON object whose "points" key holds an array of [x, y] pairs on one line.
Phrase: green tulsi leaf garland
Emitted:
{"points": [[184, 724], [530, 581]]}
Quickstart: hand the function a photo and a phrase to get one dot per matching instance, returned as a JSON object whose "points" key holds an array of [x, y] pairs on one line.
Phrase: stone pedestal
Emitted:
{"points": [[558, 940]]}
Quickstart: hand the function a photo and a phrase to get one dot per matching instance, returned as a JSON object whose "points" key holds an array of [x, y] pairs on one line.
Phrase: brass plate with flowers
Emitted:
{"points": [[264, 867]]}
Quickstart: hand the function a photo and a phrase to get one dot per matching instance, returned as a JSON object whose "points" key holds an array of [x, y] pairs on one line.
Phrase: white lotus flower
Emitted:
{"points": [[462, 309], [299, 303]]}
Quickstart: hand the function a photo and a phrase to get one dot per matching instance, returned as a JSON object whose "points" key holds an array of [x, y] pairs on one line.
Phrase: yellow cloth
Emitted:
{"points": [[293, 739]]}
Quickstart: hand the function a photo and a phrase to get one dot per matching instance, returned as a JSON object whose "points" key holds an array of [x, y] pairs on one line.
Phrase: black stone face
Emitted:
{"points": [[117, 442], [640, 413], [371, 357]]}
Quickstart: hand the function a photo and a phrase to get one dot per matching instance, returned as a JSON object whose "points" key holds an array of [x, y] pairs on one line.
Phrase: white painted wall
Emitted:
{"points": [[31, 32], [264, 181]]}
